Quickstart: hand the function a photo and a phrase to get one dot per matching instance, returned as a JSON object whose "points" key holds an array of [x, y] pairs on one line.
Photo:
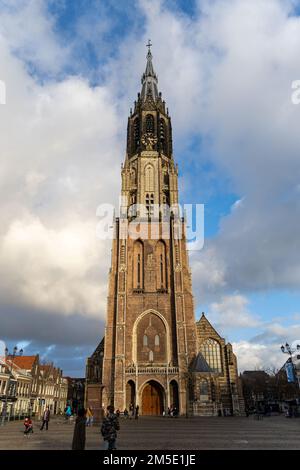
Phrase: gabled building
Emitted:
{"points": [[216, 388], [27, 387]]}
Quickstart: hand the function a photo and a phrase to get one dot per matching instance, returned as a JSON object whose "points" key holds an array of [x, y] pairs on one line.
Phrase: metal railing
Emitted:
{"points": [[158, 370]]}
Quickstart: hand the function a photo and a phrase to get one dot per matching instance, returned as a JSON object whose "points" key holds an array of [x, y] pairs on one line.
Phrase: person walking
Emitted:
{"points": [[78, 442], [109, 428], [89, 417], [136, 415], [131, 410], [46, 419], [68, 412]]}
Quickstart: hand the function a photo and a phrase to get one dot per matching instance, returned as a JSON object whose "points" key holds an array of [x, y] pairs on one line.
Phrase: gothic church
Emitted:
{"points": [[154, 354]]}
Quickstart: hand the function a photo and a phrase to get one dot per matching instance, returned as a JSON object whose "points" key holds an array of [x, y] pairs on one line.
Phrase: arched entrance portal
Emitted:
{"points": [[152, 399]]}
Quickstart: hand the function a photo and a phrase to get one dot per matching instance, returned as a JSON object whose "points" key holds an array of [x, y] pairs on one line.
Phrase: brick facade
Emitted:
{"points": [[151, 338]]}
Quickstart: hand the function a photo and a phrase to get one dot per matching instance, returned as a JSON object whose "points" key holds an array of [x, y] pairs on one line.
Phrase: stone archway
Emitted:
{"points": [[152, 399]]}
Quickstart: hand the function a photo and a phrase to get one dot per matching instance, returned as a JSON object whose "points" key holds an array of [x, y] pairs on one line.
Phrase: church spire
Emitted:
{"points": [[149, 78]]}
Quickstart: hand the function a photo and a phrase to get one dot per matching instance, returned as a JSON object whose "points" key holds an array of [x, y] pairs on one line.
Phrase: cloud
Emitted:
{"points": [[60, 158], [232, 312], [252, 122], [29, 31], [255, 356], [275, 333], [57, 267], [263, 350], [24, 323], [234, 62]]}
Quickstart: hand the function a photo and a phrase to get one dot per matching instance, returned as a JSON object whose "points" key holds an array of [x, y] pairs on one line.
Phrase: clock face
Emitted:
{"points": [[149, 140]]}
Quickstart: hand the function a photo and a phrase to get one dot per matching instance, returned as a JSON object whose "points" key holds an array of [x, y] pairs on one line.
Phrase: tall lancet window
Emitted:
{"points": [[136, 134], [149, 178], [150, 123], [161, 266], [138, 265], [150, 204], [162, 135]]}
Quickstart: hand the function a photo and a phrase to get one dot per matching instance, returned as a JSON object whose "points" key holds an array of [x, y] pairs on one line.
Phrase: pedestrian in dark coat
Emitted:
{"points": [[79, 431], [46, 419], [137, 412], [109, 428]]}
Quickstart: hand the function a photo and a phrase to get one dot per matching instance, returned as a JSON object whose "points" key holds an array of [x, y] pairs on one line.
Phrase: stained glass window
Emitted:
{"points": [[211, 351]]}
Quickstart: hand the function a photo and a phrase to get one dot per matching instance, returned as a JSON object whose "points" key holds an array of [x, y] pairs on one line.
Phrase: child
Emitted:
{"points": [[28, 426]]}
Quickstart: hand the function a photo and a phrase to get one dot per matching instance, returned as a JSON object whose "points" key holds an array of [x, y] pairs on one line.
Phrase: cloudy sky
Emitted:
{"points": [[72, 71]]}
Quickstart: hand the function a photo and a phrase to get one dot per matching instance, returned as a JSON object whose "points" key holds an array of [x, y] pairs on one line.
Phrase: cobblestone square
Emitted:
{"points": [[148, 433]]}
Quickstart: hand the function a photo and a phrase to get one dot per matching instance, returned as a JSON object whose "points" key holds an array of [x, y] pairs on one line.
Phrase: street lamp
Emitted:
{"points": [[8, 386]]}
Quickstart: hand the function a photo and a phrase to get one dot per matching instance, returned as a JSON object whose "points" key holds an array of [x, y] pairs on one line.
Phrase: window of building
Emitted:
{"points": [[138, 265], [150, 204], [156, 340], [150, 123], [149, 178], [145, 340], [211, 351], [161, 274], [203, 387], [136, 134], [162, 134]]}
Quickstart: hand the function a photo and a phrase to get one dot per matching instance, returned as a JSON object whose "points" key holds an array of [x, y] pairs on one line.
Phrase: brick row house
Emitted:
{"points": [[27, 386]]}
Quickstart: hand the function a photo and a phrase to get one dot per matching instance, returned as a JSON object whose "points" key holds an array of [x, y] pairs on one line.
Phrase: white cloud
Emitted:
{"points": [[29, 31], [53, 270], [60, 158], [255, 356], [232, 312], [225, 73]]}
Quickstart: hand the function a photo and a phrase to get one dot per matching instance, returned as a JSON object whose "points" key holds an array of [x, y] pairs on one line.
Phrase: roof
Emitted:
{"points": [[204, 321], [23, 362], [149, 81], [200, 365]]}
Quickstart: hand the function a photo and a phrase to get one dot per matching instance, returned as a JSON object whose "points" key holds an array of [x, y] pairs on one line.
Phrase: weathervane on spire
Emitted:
{"points": [[149, 45]]}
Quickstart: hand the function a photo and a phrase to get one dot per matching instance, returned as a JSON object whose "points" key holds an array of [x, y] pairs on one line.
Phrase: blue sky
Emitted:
{"points": [[236, 142]]}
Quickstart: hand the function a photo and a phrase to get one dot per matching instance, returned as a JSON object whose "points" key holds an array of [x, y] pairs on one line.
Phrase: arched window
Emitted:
{"points": [[203, 387], [153, 328], [133, 176], [162, 134], [204, 396], [150, 123], [149, 204], [138, 265], [136, 134], [149, 178], [211, 351], [151, 356], [161, 266]]}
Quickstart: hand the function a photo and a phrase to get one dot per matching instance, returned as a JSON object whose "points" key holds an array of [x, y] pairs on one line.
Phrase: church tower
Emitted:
{"points": [[150, 335]]}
